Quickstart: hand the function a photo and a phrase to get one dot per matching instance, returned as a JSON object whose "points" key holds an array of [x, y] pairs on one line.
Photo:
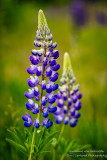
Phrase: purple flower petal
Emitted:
{"points": [[26, 124], [56, 67], [52, 62]]}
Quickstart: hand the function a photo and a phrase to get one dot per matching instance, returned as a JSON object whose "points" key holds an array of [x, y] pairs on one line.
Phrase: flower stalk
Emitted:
{"points": [[61, 132], [43, 73], [32, 145], [44, 65]]}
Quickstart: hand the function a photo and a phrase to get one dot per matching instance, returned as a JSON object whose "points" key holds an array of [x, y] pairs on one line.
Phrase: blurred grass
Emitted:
{"points": [[88, 55]]}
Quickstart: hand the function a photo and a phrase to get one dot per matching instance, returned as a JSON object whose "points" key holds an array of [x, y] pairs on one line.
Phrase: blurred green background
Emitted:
{"points": [[87, 46]]}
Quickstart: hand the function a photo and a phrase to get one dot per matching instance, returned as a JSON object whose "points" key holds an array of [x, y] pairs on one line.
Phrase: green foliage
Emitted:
{"points": [[23, 142], [18, 141], [16, 136], [19, 134], [40, 136], [18, 146], [47, 141], [65, 148]]}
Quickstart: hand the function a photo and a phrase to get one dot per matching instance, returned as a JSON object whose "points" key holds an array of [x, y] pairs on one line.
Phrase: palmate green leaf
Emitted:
{"points": [[28, 136], [39, 138], [47, 141], [18, 146], [76, 146], [27, 146], [45, 145], [22, 139], [66, 151], [27, 133], [15, 136], [63, 144]]}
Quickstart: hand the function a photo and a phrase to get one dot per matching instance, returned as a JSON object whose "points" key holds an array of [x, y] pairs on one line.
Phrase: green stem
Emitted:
{"points": [[62, 129], [32, 145], [34, 133], [33, 141], [60, 135], [53, 154]]}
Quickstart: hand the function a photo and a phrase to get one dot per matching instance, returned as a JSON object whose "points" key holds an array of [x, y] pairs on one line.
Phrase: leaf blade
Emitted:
{"points": [[18, 146], [40, 136], [67, 149], [47, 141], [19, 135], [15, 136]]}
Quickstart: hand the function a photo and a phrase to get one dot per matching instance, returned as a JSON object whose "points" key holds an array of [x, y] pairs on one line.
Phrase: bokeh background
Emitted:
{"points": [[79, 28]]}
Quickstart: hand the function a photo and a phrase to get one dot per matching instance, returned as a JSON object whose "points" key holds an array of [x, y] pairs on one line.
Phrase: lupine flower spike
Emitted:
{"points": [[68, 98], [44, 74]]}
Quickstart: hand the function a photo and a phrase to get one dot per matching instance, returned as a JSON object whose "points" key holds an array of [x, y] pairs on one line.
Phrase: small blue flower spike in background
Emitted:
{"points": [[78, 12], [44, 74], [68, 98]]}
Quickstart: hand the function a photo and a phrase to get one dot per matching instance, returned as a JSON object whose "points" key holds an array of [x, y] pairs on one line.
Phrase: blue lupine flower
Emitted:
{"points": [[27, 120], [55, 87], [52, 109], [49, 87], [43, 85], [47, 123], [44, 65], [45, 113], [48, 71], [68, 97], [36, 123], [52, 62], [30, 94]]}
